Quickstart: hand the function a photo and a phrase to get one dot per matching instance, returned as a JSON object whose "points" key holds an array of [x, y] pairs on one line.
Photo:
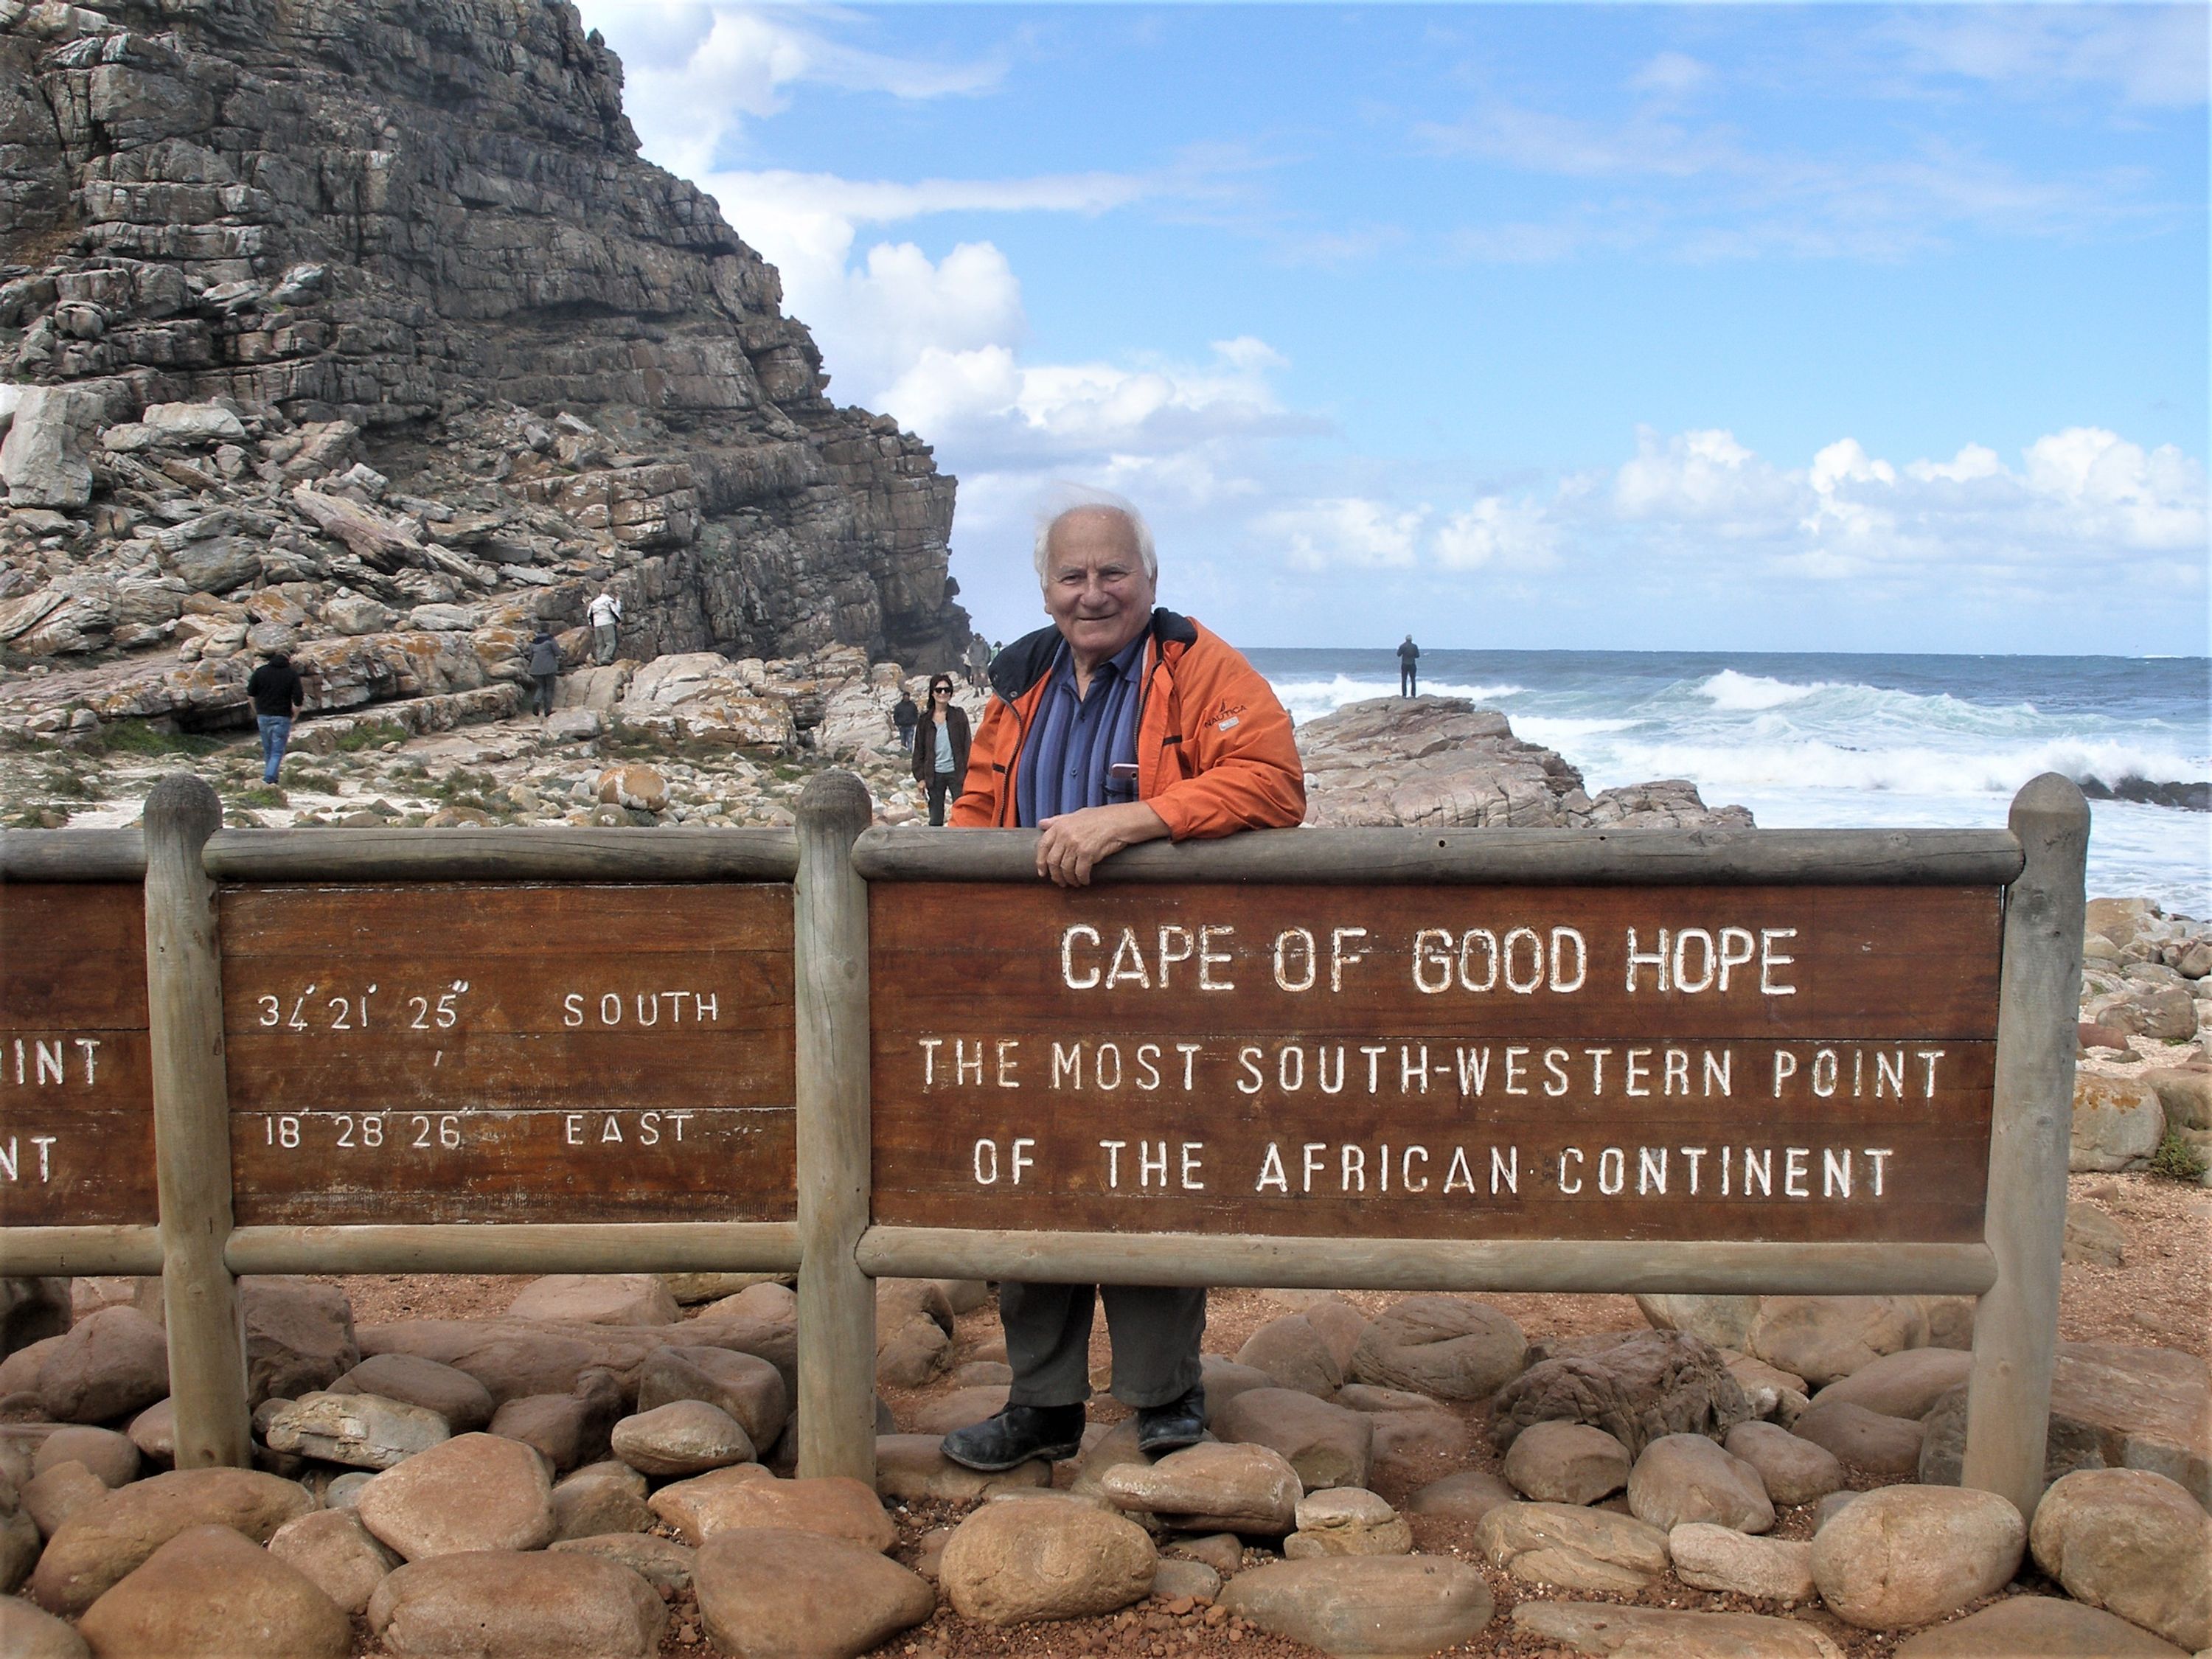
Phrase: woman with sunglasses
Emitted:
{"points": [[941, 747]]}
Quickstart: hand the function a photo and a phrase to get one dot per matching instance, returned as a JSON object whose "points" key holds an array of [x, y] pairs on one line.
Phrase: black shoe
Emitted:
{"points": [[1179, 1423], [1015, 1436]]}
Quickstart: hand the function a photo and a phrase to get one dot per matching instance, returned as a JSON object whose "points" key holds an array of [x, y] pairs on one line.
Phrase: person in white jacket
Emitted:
{"points": [[604, 613]]}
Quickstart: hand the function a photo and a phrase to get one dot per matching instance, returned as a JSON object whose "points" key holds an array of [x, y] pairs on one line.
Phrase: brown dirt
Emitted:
{"points": [[2161, 1295]]}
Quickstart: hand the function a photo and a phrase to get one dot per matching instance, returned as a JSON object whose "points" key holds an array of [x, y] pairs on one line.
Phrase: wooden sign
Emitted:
{"points": [[473, 1053], [76, 1123], [1742, 1063]]}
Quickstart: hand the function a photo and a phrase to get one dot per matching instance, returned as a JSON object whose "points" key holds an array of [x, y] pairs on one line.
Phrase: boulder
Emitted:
{"points": [[1903, 1384], [598, 1298], [209, 1594], [689, 1289], [1598, 1627], [1210, 1487], [1821, 1337], [113, 1363], [362, 1430], [1686, 1477], [334, 1550], [58, 1492], [2092, 1237], [747, 1497], [42, 456], [2133, 1543], [1340, 1325], [2185, 1092], [1446, 1347], [663, 1562], [1356, 1606], [154, 1433], [299, 1337], [500, 1604], [1561, 1462], [512, 1360], [957, 1409], [1793, 1470], [749, 1389], [1723, 1558], [474, 1493], [1569, 1547], [1225, 1379], [773, 1593], [1015, 1560], [1409, 1440], [103, 1543], [1865, 1439], [1907, 1555], [1326, 1444], [2117, 1122], [1172, 1577], [1347, 1521], [1468, 1496], [909, 1466], [685, 1436], [110, 1455], [1655, 1384], [600, 1500], [2037, 1627], [1294, 1355], [29, 1632], [1772, 1392], [568, 1429], [1723, 1321], [465, 1403]]}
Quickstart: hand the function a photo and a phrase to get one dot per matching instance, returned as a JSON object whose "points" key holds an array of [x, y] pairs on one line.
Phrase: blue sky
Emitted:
{"points": [[1838, 327]]}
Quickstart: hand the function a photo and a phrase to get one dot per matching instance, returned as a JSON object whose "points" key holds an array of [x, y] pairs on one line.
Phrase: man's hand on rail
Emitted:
{"points": [[1070, 847]]}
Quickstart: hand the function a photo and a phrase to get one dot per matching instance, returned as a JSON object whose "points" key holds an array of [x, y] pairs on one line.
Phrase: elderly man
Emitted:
{"points": [[1119, 723]]}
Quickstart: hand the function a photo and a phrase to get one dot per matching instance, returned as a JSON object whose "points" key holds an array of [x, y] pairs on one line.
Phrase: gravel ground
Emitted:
{"points": [[2160, 1295]]}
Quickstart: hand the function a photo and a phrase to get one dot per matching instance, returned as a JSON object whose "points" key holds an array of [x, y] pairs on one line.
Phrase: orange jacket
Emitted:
{"points": [[1214, 750]]}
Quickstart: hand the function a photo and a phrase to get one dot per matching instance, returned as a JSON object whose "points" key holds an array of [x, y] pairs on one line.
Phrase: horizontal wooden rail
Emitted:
{"points": [[72, 854], [1677, 858], [32, 1252], [1393, 1264], [518, 853], [637, 1247]]}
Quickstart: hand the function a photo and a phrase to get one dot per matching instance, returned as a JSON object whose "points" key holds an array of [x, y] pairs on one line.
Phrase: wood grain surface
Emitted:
{"points": [[1548, 1101], [74, 1056], [509, 1054]]}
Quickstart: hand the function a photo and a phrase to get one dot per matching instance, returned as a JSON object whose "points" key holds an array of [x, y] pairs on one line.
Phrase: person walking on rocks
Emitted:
{"points": [[1408, 675], [277, 693], [904, 715], [978, 659], [604, 613], [545, 670], [941, 747], [1119, 723]]}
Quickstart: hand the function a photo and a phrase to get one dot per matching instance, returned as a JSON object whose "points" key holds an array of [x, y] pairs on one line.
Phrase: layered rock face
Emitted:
{"points": [[411, 233]]}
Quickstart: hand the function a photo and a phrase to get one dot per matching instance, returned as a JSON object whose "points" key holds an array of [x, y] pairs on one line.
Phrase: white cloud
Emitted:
{"points": [[1347, 531], [2110, 487], [2150, 55], [1704, 477], [694, 72], [1672, 75], [1516, 535]]}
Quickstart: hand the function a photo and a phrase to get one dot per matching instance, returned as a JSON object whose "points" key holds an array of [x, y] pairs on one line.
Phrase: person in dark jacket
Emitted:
{"points": [[941, 747], [277, 693], [904, 717], [1409, 676], [545, 670]]}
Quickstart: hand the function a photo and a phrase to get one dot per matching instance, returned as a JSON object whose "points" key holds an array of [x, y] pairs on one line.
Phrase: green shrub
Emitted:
{"points": [[2177, 1160], [263, 795], [371, 734], [144, 738]]}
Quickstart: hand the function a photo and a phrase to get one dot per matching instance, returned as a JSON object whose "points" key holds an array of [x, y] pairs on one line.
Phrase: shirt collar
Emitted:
{"points": [[1127, 663]]}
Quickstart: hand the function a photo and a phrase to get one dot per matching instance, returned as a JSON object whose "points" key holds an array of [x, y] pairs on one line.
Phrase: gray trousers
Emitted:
{"points": [[1155, 1330]]}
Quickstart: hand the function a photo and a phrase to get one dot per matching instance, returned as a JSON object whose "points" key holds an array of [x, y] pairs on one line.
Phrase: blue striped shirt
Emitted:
{"points": [[1073, 743]]}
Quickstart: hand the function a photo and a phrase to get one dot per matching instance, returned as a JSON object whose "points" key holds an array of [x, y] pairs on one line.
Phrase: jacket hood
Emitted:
{"points": [[1028, 659]]}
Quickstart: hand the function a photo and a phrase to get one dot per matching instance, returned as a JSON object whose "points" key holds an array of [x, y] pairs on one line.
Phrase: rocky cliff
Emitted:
{"points": [[428, 352]]}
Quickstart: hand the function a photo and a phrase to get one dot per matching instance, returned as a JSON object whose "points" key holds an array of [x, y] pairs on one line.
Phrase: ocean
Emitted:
{"points": [[1846, 741]]}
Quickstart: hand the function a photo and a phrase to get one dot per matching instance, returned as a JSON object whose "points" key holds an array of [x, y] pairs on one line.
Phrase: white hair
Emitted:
{"points": [[1068, 499]]}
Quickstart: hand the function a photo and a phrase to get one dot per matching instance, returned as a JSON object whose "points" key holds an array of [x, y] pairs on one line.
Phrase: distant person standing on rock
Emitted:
{"points": [[904, 715], [978, 660], [605, 612], [277, 693], [940, 748], [545, 670], [1408, 675]]}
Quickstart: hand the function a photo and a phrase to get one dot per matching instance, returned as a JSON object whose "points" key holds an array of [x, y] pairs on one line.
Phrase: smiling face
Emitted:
{"points": [[1096, 590]]}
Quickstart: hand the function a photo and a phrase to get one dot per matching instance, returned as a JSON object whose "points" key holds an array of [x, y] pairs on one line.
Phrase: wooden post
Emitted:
{"points": [[2017, 1324], [836, 1301], [192, 1127]]}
